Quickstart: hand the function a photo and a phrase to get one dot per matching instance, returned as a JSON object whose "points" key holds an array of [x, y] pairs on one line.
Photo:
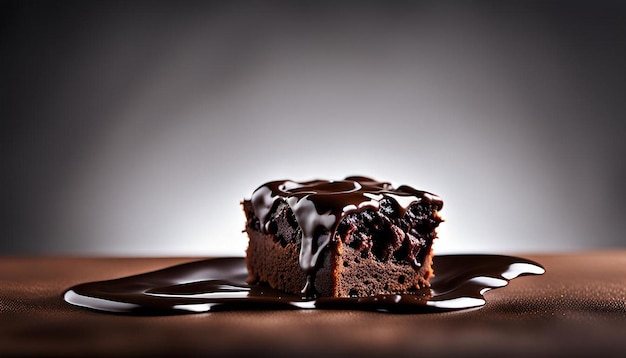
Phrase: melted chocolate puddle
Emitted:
{"points": [[220, 284]]}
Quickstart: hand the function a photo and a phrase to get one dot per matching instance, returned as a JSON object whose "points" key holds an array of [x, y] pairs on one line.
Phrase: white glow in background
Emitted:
{"points": [[483, 109]]}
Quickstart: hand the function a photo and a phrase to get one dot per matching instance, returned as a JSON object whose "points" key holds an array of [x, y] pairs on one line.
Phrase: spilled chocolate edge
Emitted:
{"points": [[219, 284]]}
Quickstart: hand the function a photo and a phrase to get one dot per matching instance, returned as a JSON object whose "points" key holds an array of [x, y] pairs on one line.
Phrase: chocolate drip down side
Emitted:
{"points": [[319, 206]]}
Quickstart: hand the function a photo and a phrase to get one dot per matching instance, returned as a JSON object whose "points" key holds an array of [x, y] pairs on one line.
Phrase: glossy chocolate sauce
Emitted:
{"points": [[220, 284], [320, 205]]}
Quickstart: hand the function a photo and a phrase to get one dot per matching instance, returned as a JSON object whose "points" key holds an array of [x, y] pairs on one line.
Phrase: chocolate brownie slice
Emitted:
{"points": [[348, 238]]}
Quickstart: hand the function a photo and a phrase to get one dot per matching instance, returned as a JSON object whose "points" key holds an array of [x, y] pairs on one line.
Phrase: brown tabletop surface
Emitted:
{"points": [[577, 308]]}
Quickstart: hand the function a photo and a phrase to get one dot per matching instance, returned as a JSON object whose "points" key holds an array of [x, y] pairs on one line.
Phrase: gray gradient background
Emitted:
{"points": [[137, 128]]}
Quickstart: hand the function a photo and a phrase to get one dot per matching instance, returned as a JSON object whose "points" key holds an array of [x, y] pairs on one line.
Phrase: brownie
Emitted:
{"points": [[347, 238]]}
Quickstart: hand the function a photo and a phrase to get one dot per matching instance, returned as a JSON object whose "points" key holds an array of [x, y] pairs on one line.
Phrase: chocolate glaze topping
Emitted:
{"points": [[320, 205]]}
